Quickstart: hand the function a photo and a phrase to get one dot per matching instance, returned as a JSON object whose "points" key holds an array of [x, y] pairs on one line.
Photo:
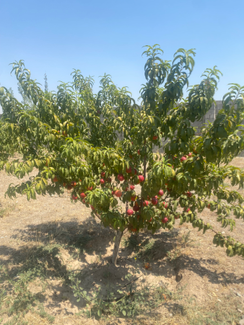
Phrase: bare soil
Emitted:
{"points": [[211, 284]]}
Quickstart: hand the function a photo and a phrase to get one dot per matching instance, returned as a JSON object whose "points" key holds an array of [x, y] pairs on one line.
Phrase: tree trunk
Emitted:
{"points": [[116, 246]]}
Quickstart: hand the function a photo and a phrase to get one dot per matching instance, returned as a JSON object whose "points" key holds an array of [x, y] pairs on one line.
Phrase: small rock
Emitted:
{"points": [[241, 322]]}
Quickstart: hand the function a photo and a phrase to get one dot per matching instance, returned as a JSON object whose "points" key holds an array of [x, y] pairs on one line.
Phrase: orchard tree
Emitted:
{"points": [[100, 146]]}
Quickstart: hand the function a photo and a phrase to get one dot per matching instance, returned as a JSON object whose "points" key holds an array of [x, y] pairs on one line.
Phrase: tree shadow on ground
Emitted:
{"points": [[46, 243]]}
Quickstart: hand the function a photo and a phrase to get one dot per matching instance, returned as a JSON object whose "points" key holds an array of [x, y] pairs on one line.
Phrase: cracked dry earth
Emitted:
{"points": [[205, 276]]}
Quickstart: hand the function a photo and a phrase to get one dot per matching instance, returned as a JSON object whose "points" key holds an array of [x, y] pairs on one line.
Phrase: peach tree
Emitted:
{"points": [[100, 147]]}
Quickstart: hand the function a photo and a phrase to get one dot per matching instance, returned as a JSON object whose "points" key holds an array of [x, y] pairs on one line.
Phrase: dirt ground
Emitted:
{"points": [[185, 261]]}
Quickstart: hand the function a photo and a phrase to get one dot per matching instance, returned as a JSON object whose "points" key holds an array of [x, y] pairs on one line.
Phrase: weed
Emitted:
{"points": [[173, 254], [129, 301], [185, 239]]}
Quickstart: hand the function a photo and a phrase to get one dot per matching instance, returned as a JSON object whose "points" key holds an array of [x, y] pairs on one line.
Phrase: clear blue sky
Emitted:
{"points": [[98, 37]]}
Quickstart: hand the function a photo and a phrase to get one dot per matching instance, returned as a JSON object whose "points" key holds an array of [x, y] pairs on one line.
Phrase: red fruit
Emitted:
{"points": [[141, 178], [183, 158], [145, 203], [188, 210], [73, 184], [82, 195], [138, 151], [135, 171], [189, 194], [209, 206], [150, 220], [83, 201], [120, 177], [155, 137], [132, 187], [136, 208], [160, 192], [89, 188], [128, 170], [190, 154], [92, 207], [154, 201], [103, 174], [74, 197], [147, 266], [55, 179], [118, 193], [133, 198], [165, 220], [129, 212], [102, 181]]}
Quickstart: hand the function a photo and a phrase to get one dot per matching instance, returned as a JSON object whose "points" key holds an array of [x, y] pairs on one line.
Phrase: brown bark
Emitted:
{"points": [[116, 246]]}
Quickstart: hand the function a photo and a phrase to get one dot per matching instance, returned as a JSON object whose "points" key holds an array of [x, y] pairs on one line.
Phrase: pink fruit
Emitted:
{"points": [[165, 220], [190, 154], [141, 178], [82, 195], [183, 158], [188, 210], [129, 212], [165, 205], [145, 203], [74, 197], [160, 192], [102, 181], [132, 187]]}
